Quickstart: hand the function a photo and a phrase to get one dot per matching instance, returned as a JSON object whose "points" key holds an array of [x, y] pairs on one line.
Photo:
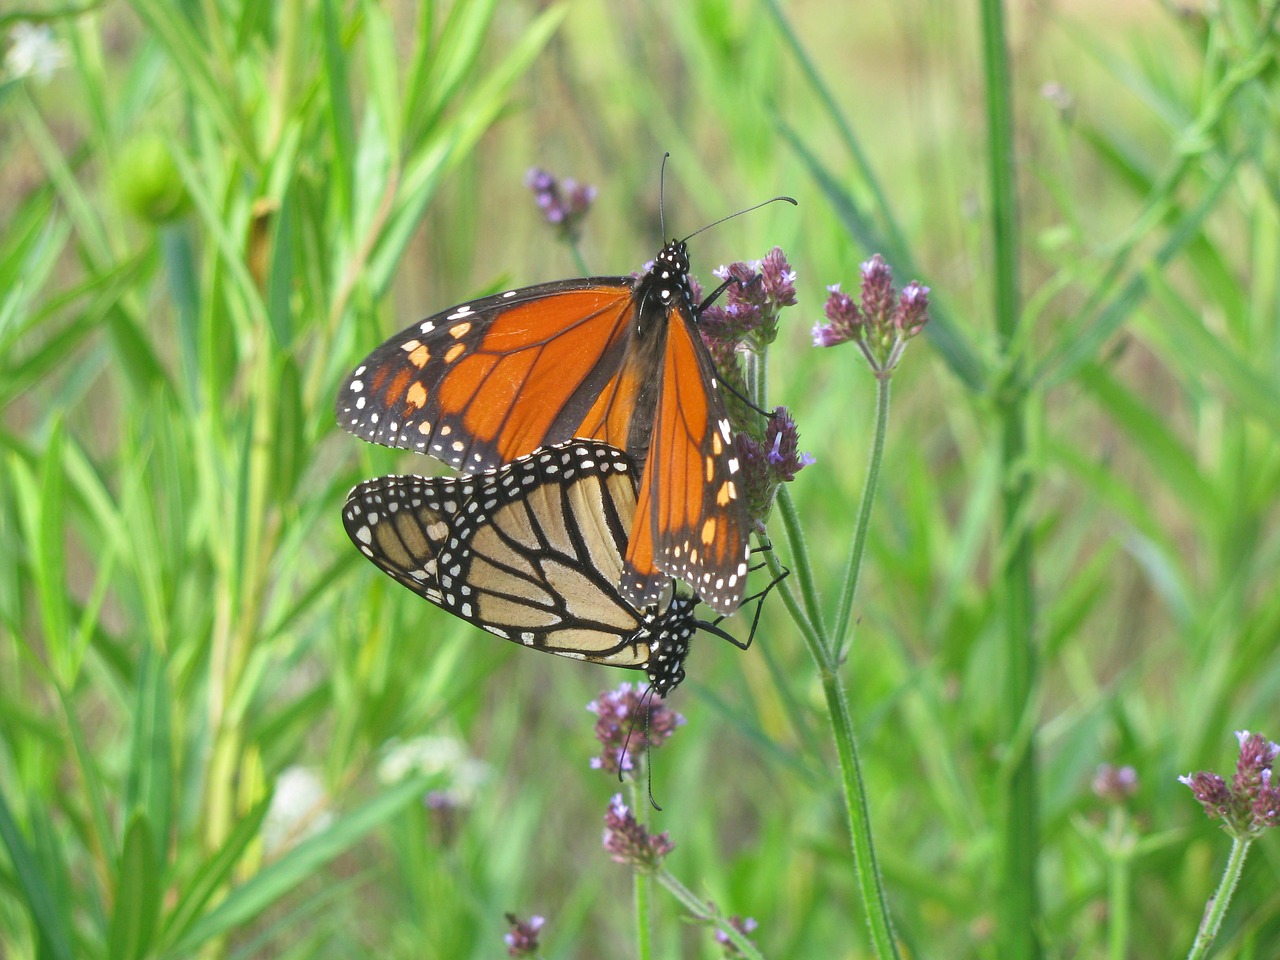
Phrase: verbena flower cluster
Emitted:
{"points": [[564, 202], [627, 841], [752, 304], [770, 462], [630, 722], [744, 926], [1250, 803], [1115, 784], [522, 941], [881, 322], [748, 319]]}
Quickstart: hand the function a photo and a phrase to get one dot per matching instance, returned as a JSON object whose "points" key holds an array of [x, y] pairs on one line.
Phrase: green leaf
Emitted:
{"points": [[148, 784], [1204, 352], [50, 564], [383, 63], [1150, 433], [1082, 345], [184, 287], [193, 63], [451, 60], [213, 874], [138, 891], [264, 890], [470, 120], [280, 274], [341, 120], [35, 890]]}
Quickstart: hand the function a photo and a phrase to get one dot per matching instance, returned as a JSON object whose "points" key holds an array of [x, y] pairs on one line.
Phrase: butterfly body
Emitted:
{"points": [[531, 552], [618, 360]]}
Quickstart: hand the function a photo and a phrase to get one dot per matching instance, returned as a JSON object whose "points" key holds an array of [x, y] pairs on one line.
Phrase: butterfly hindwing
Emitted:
{"points": [[531, 552]]}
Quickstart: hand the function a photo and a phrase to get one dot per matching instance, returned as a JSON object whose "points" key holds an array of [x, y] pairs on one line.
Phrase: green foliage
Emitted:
{"points": [[212, 210]]}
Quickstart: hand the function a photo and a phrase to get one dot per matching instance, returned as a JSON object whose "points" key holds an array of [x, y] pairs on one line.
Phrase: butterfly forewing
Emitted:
{"points": [[531, 552], [691, 505], [487, 382]]}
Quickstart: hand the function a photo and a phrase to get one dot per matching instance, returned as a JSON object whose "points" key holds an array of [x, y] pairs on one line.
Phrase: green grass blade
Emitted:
{"points": [[213, 874], [37, 893], [149, 783], [268, 886], [139, 889]]}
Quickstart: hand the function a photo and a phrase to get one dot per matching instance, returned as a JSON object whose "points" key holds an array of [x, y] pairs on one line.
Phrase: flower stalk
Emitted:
{"points": [[1246, 806]]}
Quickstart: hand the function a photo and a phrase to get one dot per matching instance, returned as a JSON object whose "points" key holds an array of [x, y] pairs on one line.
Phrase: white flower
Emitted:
{"points": [[428, 755], [446, 758], [299, 809], [33, 52]]}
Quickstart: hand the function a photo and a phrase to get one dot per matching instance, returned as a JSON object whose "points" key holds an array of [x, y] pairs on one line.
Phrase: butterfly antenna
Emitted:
{"points": [[648, 755], [644, 707], [728, 385], [790, 200], [626, 744], [662, 200]]}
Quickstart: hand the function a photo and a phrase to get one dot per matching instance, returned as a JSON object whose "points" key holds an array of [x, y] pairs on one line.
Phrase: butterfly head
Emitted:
{"points": [[666, 285]]}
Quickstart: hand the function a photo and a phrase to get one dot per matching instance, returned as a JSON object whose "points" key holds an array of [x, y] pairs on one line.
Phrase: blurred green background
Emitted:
{"points": [[212, 210]]}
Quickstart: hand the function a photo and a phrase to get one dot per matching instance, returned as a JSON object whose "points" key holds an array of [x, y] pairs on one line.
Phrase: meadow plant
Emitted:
{"points": [[1246, 807], [208, 209], [522, 941], [738, 334]]}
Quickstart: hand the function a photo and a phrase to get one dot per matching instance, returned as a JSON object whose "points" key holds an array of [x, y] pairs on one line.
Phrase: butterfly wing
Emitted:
{"points": [[531, 553], [604, 358], [691, 520], [486, 382]]}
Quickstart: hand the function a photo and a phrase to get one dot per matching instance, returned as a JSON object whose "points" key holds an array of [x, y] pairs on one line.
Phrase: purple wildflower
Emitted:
{"points": [[1251, 803], [622, 727], [627, 841], [1115, 784], [877, 289], [564, 203], [744, 926], [770, 462], [881, 322], [522, 941], [844, 316], [751, 304]]}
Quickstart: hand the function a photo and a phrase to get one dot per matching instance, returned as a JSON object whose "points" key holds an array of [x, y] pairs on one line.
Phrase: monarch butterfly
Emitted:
{"points": [[614, 359], [530, 552]]}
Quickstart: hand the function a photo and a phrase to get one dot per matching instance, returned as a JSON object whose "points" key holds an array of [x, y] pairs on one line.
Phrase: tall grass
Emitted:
{"points": [[212, 210]]}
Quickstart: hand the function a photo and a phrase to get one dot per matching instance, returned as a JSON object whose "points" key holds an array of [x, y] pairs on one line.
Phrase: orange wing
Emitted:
{"points": [[486, 382], [691, 521]]}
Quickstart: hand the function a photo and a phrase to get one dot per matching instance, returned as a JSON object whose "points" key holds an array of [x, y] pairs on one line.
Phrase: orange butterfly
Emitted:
{"points": [[614, 359]]}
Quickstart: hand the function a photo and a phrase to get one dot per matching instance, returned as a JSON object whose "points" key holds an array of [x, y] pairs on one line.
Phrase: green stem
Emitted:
{"points": [[803, 570], [1018, 902], [640, 892], [578, 259], [1119, 883], [853, 569], [706, 913], [867, 873], [641, 887], [1216, 908], [812, 639]]}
